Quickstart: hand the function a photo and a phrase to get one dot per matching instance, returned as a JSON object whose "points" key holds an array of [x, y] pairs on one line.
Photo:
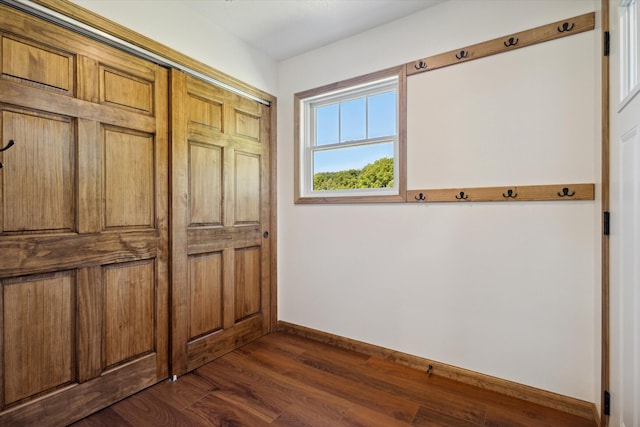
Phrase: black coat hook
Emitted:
{"points": [[463, 54], [510, 194], [420, 197], [9, 145], [565, 27], [511, 42], [421, 65], [565, 193], [462, 196]]}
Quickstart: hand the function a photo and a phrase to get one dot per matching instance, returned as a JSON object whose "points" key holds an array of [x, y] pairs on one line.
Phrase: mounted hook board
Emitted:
{"points": [[555, 192], [556, 30]]}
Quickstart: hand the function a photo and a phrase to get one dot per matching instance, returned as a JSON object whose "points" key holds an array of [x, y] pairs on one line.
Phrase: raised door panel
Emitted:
{"points": [[130, 311], [220, 182], [38, 177], [205, 184], [247, 191], [125, 90], [247, 125], [247, 278], [129, 179], [205, 112], [205, 294], [38, 335], [37, 64]]}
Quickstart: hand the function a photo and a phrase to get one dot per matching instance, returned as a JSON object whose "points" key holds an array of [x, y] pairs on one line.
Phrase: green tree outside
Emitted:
{"points": [[378, 174]]}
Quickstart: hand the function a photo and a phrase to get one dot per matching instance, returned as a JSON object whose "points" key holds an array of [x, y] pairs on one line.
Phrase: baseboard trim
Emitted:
{"points": [[531, 394]]}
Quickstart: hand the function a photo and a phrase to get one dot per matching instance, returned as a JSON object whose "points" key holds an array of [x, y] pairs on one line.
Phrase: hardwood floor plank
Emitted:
{"points": [[421, 393], [245, 389], [182, 393], [354, 391], [143, 409], [286, 380], [105, 418], [213, 411], [429, 418]]}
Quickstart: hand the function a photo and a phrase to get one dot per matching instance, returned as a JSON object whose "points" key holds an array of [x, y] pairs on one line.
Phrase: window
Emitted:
{"points": [[628, 51], [350, 140]]}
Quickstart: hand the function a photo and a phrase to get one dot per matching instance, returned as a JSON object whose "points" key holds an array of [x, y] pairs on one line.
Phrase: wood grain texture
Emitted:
{"points": [[129, 169], [34, 63], [130, 307], [287, 380], [205, 184], [126, 91], [221, 187], [248, 279], [205, 294], [40, 254], [39, 335], [533, 395], [82, 167], [522, 193], [544, 33], [38, 173], [78, 401]]}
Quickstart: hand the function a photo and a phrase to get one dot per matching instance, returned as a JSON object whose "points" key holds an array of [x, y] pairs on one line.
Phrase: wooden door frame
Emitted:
{"points": [[605, 250]]}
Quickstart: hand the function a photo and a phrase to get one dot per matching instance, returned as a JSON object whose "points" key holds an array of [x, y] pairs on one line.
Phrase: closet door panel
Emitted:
{"points": [[130, 307], [38, 176], [205, 184], [83, 226], [38, 64], [129, 179], [39, 334], [205, 289], [221, 261]]}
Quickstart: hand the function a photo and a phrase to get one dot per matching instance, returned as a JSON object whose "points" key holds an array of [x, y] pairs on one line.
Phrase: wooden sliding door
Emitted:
{"points": [[220, 216], [83, 223]]}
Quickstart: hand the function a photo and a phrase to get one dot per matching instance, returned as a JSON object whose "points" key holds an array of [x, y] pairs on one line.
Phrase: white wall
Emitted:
{"points": [[505, 289], [194, 35]]}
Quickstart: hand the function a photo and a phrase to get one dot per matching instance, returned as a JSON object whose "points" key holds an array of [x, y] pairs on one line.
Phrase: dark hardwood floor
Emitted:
{"points": [[285, 380]]}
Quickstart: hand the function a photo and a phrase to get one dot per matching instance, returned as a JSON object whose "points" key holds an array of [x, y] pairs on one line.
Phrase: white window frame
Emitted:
{"points": [[306, 104]]}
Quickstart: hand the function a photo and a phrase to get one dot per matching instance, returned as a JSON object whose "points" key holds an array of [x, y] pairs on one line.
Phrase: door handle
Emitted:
{"points": [[9, 145]]}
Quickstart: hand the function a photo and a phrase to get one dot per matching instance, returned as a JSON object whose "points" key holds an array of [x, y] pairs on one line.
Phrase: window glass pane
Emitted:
{"points": [[364, 166], [327, 124], [382, 115], [353, 120]]}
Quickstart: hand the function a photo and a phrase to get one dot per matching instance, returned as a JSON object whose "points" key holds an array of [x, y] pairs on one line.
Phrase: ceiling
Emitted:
{"points": [[286, 28]]}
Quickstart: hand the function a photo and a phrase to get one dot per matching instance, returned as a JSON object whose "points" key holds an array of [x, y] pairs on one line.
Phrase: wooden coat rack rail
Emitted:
{"points": [[555, 192], [544, 33]]}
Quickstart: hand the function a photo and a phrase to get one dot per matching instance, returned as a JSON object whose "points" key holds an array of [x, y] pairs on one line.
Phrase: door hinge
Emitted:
{"points": [[606, 223], [607, 403], [607, 43]]}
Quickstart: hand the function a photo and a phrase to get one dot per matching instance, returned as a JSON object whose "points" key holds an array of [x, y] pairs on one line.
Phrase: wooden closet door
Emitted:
{"points": [[83, 224], [220, 215]]}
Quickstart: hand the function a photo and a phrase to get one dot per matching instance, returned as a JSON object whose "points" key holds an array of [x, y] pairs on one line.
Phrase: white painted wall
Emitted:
{"points": [[197, 36], [509, 290]]}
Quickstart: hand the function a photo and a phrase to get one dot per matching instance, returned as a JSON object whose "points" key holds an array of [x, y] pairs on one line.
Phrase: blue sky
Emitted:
{"points": [[347, 121]]}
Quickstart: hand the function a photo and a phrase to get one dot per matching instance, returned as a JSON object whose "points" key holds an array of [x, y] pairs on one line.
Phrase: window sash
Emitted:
{"points": [[380, 82]]}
